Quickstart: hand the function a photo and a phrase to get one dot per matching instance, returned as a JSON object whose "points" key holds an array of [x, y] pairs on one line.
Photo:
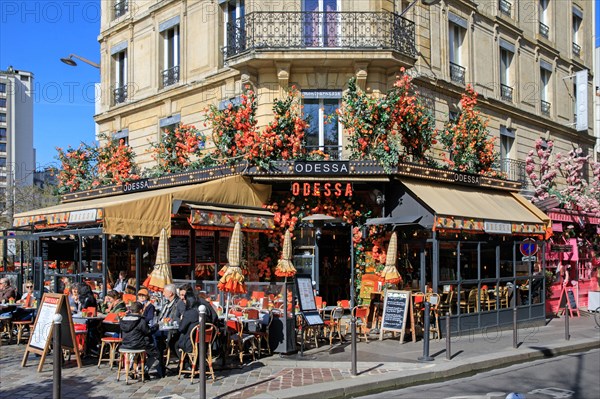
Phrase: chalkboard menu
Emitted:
{"points": [[44, 250], [179, 249], [395, 307], [571, 299], [205, 249]]}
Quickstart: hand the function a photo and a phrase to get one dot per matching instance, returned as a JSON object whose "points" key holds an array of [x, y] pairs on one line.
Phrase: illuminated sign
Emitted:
{"points": [[318, 189]]}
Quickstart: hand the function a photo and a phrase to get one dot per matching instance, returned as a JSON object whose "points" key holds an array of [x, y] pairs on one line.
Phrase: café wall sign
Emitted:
{"points": [[137, 185], [317, 189], [321, 167], [466, 179]]}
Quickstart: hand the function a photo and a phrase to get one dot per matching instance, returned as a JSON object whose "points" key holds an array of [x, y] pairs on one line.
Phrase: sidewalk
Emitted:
{"points": [[323, 372]]}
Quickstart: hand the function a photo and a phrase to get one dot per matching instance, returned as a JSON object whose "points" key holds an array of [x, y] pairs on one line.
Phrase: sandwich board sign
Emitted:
{"points": [[40, 338], [395, 309]]}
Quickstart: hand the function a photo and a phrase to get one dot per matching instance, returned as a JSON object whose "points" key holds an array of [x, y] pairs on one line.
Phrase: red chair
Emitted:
{"points": [[319, 302], [238, 339], [258, 294], [344, 304]]}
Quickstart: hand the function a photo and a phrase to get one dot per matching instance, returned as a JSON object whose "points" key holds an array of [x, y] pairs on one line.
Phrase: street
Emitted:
{"points": [[569, 376]]}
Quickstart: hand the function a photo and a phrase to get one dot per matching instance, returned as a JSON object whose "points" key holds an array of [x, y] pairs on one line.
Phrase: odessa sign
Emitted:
{"points": [[321, 167]]}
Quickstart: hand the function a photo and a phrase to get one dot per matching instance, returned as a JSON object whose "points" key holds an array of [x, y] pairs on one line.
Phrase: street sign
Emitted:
{"points": [[528, 247], [11, 247]]}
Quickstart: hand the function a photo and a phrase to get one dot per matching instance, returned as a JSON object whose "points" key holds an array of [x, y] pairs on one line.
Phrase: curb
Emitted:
{"points": [[359, 386]]}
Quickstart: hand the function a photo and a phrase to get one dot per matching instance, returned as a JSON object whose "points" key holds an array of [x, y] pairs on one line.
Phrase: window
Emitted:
{"points": [[545, 75], [2, 87], [505, 7], [122, 134], [235, 26], [121, 7], [2, 133], [2, 102], [323, 134], [543, 11], [321, 23], [577, 20], [168, 124], [506, 57], [170, 51], [507, 140], [120, 76], [2, 162], [2, 147], [456, 37], [2, 117]]}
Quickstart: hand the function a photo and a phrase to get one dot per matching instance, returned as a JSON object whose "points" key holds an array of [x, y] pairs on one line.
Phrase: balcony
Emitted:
{"points": [[170, 76], [334, 151], [457, 73], [120, 95], [318, 31], [120, 8], [545, 107], [576, 50], [506, 93], [505, 8], [515, 170], [544, 30]]}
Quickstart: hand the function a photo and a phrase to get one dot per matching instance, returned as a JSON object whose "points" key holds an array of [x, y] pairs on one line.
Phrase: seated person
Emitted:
{"points": [[149, 310], [113, 303], [168, 312], [137, 335], [27, 301], [189, 320], [7, 292]]}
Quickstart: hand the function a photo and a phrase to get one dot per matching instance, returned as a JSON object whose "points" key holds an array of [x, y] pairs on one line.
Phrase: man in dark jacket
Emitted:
{"points": [[137, 335]]}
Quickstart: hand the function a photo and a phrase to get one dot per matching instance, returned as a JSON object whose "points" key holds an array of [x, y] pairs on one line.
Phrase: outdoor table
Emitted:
{"points": [[168, 328]]}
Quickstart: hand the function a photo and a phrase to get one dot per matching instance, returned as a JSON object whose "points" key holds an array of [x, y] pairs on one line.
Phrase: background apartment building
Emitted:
{"points": [[17, 155], [163, 62]]}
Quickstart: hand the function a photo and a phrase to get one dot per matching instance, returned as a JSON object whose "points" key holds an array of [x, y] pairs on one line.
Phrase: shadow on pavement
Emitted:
{"points": [[70, 385]]}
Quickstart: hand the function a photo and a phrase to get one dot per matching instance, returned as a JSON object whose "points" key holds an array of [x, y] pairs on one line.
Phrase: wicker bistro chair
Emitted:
{"points": [[113, 343], [470, 304], [210, 335], [238, 340], [263, 333], [20, 326], [333, 324]]}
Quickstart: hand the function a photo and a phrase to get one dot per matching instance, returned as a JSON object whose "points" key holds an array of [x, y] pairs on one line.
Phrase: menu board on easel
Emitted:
{"points": [[395, 310], [306, 300], [42, 330], [568, 301]]}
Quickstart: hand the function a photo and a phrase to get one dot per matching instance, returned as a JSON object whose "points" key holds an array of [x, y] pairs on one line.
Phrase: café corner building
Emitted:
{"points": [[472, 239]]}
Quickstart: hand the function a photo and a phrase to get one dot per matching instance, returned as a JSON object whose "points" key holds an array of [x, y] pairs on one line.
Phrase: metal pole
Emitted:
{"points": [[202, 351], [448, 338], [353, 368], [567, 335], [57, 357], [515, 329], [426, 357]]}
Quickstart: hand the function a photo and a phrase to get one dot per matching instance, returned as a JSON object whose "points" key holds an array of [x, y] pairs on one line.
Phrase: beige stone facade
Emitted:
{"points": [[164, 62]]}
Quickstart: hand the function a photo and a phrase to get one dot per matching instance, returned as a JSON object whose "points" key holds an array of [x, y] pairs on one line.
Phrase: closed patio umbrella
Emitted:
{"points": [[161, 275], [285, 267], [233, 278], [390, 274]]}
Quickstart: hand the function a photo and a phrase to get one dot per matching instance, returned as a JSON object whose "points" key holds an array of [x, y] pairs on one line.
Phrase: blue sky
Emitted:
{"points": [[34, 35]]}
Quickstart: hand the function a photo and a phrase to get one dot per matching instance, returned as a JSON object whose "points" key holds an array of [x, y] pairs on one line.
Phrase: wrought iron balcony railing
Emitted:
{"points": [[576, 50], [515, 170], [320, 30], [120, 95], [457, 73], [505, 7], [170, 76], [544, 30], [506, 92], [121, 7], [334, 151], [545, 107]]}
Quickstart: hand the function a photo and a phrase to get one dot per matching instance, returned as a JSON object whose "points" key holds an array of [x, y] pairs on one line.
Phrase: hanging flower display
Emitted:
{"points": [[77, 168], [237, 137], [392, 128], [468, 141], [115, 162], [177, 150]]}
